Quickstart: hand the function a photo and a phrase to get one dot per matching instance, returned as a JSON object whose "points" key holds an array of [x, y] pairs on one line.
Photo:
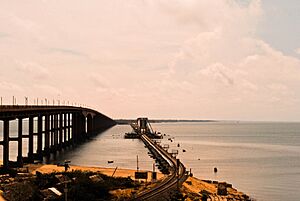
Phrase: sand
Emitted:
{"points": [[107, 171], [194, 186]]}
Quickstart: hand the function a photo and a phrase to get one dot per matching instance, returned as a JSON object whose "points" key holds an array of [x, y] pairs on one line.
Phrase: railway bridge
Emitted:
{"points": [[48, 129]]}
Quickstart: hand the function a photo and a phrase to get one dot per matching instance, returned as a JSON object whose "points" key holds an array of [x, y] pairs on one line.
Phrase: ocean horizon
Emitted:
{"points": [[261, 159]]}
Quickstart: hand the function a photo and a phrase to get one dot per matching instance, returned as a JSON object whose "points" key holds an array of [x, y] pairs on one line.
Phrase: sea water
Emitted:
{"points": [[261, 159]]}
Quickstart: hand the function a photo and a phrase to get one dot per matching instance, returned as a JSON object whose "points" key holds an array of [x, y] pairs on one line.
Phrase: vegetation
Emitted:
{"points": [[176, 195], [82, 186]]}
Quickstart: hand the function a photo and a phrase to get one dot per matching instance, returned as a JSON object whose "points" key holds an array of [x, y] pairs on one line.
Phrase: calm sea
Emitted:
{"points": [[260, 159]]}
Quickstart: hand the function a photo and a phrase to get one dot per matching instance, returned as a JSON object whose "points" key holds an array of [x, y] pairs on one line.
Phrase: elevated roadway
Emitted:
{"points": [[50, 129]]}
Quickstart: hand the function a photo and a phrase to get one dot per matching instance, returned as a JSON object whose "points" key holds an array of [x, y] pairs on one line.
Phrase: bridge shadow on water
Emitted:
{"points": [[65, 153]]}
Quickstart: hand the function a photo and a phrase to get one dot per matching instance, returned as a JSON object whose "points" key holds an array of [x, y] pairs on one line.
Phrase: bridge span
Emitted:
{"points": [[50, 129], [172, 181]]}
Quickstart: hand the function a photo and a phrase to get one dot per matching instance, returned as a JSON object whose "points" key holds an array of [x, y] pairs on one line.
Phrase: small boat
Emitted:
{"points": [[110, 161], [215, 170]]}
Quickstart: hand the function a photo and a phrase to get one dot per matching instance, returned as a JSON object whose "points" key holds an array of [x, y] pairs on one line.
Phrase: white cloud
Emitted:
{"points": [[181, 59], [33, 69]]}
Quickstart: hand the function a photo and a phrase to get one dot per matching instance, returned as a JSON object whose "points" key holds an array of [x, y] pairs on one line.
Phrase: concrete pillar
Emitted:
{"points": [[30, 140], [82, 127], [51, 129], [95, 123], [60, 131], [92, 124], [74, 128], [55, 131], [6, 144], [52, 134], [20, 141], [65, 129], [69, 128], [40, 138], [47, 135], [89, 124]]}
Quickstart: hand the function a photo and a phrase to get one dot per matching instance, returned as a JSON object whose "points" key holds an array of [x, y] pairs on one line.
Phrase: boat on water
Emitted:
{"points": [[131, 135]]}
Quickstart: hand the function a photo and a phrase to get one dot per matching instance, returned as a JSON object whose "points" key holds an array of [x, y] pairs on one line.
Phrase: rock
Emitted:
{"points": [[96, 178], [222, 189]]}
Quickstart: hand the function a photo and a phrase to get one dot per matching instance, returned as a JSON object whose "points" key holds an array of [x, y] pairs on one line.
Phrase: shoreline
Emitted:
{"points": [[120, 172], [193, 188]]}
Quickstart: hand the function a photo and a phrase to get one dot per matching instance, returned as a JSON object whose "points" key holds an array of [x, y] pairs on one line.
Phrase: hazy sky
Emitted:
{"points": [[188, 59]]}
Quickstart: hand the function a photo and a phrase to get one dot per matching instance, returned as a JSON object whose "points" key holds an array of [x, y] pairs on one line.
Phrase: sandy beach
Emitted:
{"points": [[107, 171]]}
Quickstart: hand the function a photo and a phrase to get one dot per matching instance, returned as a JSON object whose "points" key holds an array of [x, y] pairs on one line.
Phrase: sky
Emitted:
{"points": [[175, 59]]}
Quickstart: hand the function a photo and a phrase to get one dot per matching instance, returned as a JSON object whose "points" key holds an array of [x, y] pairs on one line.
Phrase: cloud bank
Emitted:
{"points": [[162, 59]]}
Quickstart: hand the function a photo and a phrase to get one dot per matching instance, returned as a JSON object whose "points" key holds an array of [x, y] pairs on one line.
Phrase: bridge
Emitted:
{"points": [[50, 129], [177, 173], [168, 164]]}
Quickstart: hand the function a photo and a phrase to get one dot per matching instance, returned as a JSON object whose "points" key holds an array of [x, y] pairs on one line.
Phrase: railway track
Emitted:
{"points": [[174, 180]]}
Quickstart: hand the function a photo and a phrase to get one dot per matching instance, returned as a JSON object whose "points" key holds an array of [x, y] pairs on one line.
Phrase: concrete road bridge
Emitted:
{"points": [[49, 129]]}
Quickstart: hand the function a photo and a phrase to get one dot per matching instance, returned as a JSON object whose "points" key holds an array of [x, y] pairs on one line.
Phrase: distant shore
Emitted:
{"points": [[128, 121]]}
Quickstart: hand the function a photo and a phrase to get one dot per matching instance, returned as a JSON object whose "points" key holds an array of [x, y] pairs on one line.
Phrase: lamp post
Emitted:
{"points": [[26, 100]]}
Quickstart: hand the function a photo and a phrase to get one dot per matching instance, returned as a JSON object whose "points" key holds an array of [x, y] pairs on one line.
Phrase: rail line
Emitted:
{"points": [[177, 174]]}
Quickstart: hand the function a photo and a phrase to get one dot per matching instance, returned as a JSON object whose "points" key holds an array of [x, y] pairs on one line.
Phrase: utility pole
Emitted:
{"points": [[137, 163], [177, 172]]}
